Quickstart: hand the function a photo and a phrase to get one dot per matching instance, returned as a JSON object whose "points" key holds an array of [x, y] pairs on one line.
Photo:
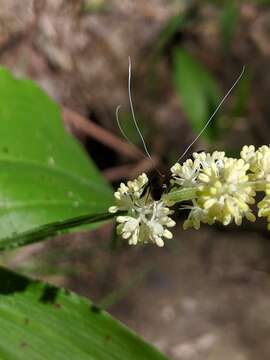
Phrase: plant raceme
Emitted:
{"points": [[218, 189]]}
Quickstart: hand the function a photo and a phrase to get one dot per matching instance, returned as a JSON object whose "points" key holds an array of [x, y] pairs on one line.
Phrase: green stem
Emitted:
{"points": [[261, 185], [180, 195], [258, 185], [51, 229], [191, 193]]}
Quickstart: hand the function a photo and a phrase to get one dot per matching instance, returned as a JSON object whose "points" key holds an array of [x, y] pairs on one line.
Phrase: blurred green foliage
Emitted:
{"points": [[242, 96], [175, 24], [228, 21], [198, 91], [94, 6]]}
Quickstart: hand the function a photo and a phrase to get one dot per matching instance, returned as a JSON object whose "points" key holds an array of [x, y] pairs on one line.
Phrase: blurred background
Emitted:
{"points": [[206, 294]]}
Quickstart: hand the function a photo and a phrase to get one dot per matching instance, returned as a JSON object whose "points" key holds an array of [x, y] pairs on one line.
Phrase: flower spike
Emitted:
{"points": [[219, 188]]}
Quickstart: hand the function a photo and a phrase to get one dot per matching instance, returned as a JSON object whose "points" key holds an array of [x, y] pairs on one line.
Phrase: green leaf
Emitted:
{"points": [[198, 91], [40, 321], [174, 24], [242, 96], [46, 176], [228, 22]]}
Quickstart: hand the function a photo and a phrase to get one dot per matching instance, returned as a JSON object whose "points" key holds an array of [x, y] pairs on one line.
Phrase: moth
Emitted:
{"points": [[160, 182]]}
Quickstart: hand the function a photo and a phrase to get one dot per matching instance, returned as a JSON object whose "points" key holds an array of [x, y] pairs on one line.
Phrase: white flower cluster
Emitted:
{"points": [[186, 175], [146, 220], [223, 192], [221, 189]]}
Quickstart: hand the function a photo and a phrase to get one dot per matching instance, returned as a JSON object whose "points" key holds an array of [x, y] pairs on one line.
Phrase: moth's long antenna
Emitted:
{"points": [[126, 137], [214, 113], [147, 155], [132, 110], [119, 125]]}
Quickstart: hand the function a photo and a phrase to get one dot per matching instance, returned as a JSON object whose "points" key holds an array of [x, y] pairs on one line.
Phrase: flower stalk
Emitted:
{"points": [[180, 195]]}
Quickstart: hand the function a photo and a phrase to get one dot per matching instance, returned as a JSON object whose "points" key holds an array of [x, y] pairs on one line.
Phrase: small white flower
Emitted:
{"points": [[207, 160], [186, 175], [264, 207], [259, 162], [248, 154], [126, 195], [146, 220], [196, 216]]}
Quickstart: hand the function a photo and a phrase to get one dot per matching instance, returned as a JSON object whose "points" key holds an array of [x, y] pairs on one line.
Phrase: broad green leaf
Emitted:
{"points": [[41, 322], [198, 91], [45, 175]]}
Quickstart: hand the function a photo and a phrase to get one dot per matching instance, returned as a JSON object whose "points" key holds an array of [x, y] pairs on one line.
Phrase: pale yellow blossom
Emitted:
{"points": [[264, 207], [225, 193], [259, 162], [186, 175]]}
